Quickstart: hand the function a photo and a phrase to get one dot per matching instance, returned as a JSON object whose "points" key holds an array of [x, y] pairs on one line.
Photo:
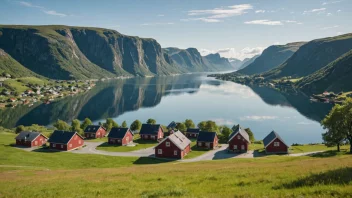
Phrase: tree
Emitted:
{"points": [[151, 121], [61, 125], [109, 124], [124, 124], [76, 126], [226, 131], [339, 124], [209, 126], [136, 125], [86, 123], [19, 129], [250, 134], [181, 126], [189, 123]]}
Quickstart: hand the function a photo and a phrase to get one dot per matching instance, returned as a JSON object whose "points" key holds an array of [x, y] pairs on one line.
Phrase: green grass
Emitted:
{"points": [[195, 151], [33, 80], [141, 144], [14, 85], [64, 174], [104, 139]]}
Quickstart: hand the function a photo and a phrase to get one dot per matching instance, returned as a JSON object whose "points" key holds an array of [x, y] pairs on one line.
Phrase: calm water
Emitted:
{"points": [[180, 97]]}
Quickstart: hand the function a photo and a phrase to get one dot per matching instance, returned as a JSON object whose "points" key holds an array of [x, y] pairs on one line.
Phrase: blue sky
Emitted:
{"points": [[235, 28]]}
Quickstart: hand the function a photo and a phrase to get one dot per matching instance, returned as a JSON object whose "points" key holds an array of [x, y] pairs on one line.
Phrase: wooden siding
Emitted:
{"points": [[240, 142], [155, 137], [169, 151], [75, 142], [209, 145], [101, 132], [282, 148], [38, 141], [128, 138]]}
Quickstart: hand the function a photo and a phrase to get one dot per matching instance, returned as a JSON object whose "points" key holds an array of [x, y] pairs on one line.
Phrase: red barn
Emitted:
{"points": [[30, 139], [120, 136], [151, 132], [94, 131], [192, 132], [274, 144], [174, 146], [65, 141], [207, 140], [238, 140]]}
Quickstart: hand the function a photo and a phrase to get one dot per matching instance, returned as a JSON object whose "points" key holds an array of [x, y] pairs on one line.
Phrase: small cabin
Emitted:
{"points": [[30, 139], [274, 144], [65, 140], [192, 132], [94, 131], [172, 125], [151, 132], [176, 146], [120, 136], [207, 140], [238, 140]]}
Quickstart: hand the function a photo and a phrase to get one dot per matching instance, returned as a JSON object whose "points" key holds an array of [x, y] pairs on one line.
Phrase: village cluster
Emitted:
{"points": [[171, 144], [42, 93]]}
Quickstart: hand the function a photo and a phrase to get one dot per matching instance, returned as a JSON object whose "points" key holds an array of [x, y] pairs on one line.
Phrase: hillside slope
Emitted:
{"points": [[334, 77], [248, 61], [271, 57], [313, 56], [10, 66], [218, 63]]}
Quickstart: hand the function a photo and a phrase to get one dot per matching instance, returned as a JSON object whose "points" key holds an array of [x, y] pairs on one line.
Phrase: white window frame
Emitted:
{"points": [[199, 144], [276, 144], [167, 144], [235, 147], [54, 145], [238, 137], [175, 152], [160, 151], [242, 147], [207, 144], [62, 146]]}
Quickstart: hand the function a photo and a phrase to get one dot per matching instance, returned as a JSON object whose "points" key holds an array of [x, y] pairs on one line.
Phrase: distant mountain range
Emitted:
{"points": [[64, 52]]}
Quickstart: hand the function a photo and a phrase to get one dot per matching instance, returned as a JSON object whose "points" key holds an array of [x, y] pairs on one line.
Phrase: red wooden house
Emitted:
{"points": [[120, 136], [192, 132], [151, 132], [30, 139], [208, 140], [65, 141], [238, 140], [94, 131], [174, 146], [274, 144]]}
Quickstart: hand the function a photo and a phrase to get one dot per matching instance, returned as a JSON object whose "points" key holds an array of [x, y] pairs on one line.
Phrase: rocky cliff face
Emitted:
{"points": [[218, 62], [271, 57]]}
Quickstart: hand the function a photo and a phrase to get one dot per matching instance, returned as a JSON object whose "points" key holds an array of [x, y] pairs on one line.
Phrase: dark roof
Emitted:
{"points": [[62, 137], [92, 129], [204, 136], [149, 129], [239, 129], [172, 125], [193, 130], [27, 135], [269, 138], [117, 132]]}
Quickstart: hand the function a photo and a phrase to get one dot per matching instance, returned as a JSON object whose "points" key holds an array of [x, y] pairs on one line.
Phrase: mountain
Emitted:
{"points": [[218, 62], [10, 66], [236, 64], [271, 57], [248, 61], [334, 77], [313, 56]]}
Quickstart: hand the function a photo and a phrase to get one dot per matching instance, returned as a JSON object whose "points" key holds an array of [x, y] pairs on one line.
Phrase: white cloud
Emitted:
{"points": [[330, 27], [304, 123], [247, 52], [53, 12], [331, 2], [160, 15], [221, 121], [260, 11], [264, 22], [339, 10], [207, 20], [258, 118], [154, 24], [317, 10], [329, 14], [27, 4]]}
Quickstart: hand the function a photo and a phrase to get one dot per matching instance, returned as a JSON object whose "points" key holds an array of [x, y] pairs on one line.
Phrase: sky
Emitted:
{"points": [[234, 28]]}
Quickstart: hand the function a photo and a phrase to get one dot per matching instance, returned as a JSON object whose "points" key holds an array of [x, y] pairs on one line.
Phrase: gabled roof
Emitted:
{"points": [[180, 140], [193, 130], [62, 137], [28, 135], [172, 125], [204, 136], [117, 132], [92, 128], [240, 130], [271, 137], [149, 129]]}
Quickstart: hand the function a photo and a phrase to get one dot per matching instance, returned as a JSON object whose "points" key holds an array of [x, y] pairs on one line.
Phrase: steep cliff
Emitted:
{"points": [[10, 66], [219, 63]]}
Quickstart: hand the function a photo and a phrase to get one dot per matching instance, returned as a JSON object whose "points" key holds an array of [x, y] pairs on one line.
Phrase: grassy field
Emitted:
{"points": [[14, 85], [141, 144], [64, 174], [195, 150], [104, 139]]}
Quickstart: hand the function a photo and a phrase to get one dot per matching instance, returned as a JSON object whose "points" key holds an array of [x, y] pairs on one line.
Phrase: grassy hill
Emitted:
{"points": [[43, 174], [248, 61], [334, 77], [271, 57], [10, 66], [313, 56]]}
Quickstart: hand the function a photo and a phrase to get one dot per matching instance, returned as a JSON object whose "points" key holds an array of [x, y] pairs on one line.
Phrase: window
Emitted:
{"points": [[75, 137], [235, 147], [119, 140], [242, 147], [70, 145], [54, 145], [199, 144], [276, 144], [175, 152], [79, 142], [207, 144], [62, 146], [238, 137], [167, 144], [36, 143], [160, 151], [127, 139]]}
